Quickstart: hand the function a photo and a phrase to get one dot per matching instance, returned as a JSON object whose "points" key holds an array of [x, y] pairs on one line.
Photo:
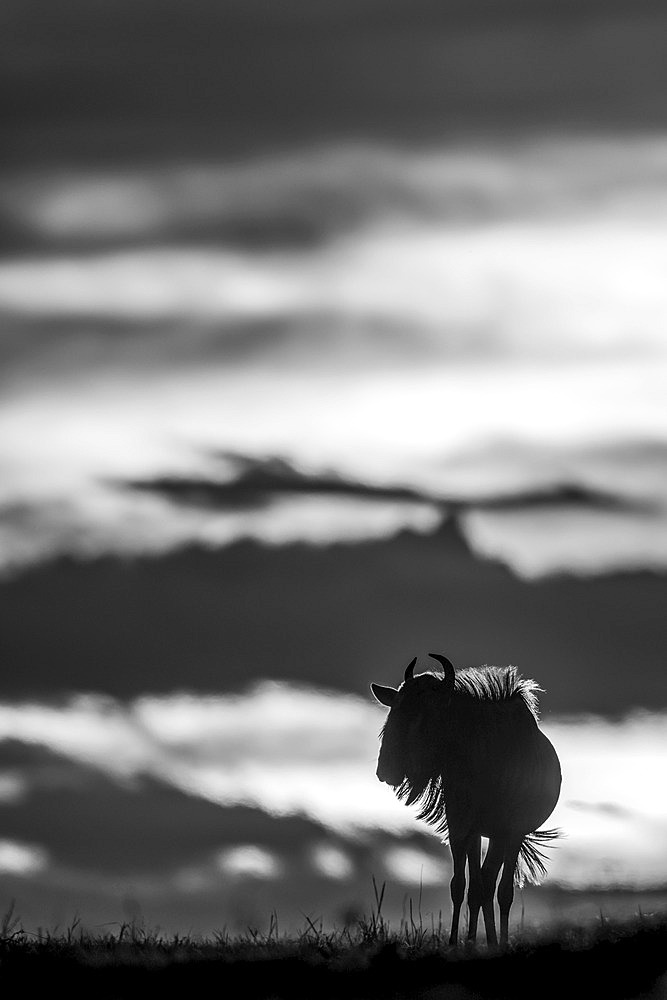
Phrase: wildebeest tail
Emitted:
{"points": [[531, 866]]}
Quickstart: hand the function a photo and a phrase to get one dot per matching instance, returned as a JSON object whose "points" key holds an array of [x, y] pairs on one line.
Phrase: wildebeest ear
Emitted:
{"points": [[385, 695]]}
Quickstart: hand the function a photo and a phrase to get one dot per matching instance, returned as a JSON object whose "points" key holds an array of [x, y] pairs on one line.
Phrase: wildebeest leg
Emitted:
{"points": [[506, 888], [457, 885], [473, 850], [490, 869]]}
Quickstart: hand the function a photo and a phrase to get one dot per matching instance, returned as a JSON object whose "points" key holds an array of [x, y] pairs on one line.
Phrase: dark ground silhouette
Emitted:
{"points": [[614, 962]]}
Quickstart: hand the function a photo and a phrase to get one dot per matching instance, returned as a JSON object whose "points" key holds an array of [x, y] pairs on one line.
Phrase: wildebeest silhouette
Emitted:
{"points": [[465, 746]]}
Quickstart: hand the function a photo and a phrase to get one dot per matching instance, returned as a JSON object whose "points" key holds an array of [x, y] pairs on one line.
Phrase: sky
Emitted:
{"points": [[323, 346]]}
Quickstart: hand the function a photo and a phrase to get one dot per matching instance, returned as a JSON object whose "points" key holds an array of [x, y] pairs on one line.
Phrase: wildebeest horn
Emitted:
{"points": [[409, 670], [446, 665]]}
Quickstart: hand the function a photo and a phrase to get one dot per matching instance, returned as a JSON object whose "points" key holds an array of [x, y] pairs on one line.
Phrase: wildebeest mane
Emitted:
{"points": [[498, 684]]}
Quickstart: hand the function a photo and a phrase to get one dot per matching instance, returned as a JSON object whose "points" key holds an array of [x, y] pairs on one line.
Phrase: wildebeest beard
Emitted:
{"points": [[419, 763], [428, 792]]}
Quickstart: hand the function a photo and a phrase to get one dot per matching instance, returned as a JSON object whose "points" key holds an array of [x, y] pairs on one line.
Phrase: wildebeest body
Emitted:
{"points": [[467, 748]]}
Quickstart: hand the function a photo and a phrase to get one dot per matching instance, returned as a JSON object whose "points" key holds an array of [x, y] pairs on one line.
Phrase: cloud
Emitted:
{"points": [[543, 290], [571, 539], [302, 198], [273, 501], [244, 750], [567, 525], [146, 366], [104, 827], [116, 524], [254, 612], [248, 482], [249, 861], [296, 763], [21, 859], [332, 862], [411, 865]]}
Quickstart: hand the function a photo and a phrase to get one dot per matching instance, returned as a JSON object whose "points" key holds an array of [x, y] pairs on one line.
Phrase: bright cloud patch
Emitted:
{"points": [[412, 866], [298, 751], [21, 859], [332, 862], [249, 861], [571, 539], [120, 524]]}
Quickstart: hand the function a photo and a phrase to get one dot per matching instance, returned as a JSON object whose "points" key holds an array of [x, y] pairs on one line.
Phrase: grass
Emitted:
{"points": [[368, 959]]}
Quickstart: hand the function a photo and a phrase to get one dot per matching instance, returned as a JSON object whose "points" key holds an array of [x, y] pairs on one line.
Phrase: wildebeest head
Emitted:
{"points": [[415, 712]]}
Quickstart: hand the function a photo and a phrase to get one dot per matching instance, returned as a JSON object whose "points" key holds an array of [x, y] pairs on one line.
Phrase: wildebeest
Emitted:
{"points": [[465, 746]]}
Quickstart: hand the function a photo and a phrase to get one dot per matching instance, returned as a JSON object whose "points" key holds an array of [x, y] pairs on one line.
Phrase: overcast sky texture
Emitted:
{"points": [[331, 334]]}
